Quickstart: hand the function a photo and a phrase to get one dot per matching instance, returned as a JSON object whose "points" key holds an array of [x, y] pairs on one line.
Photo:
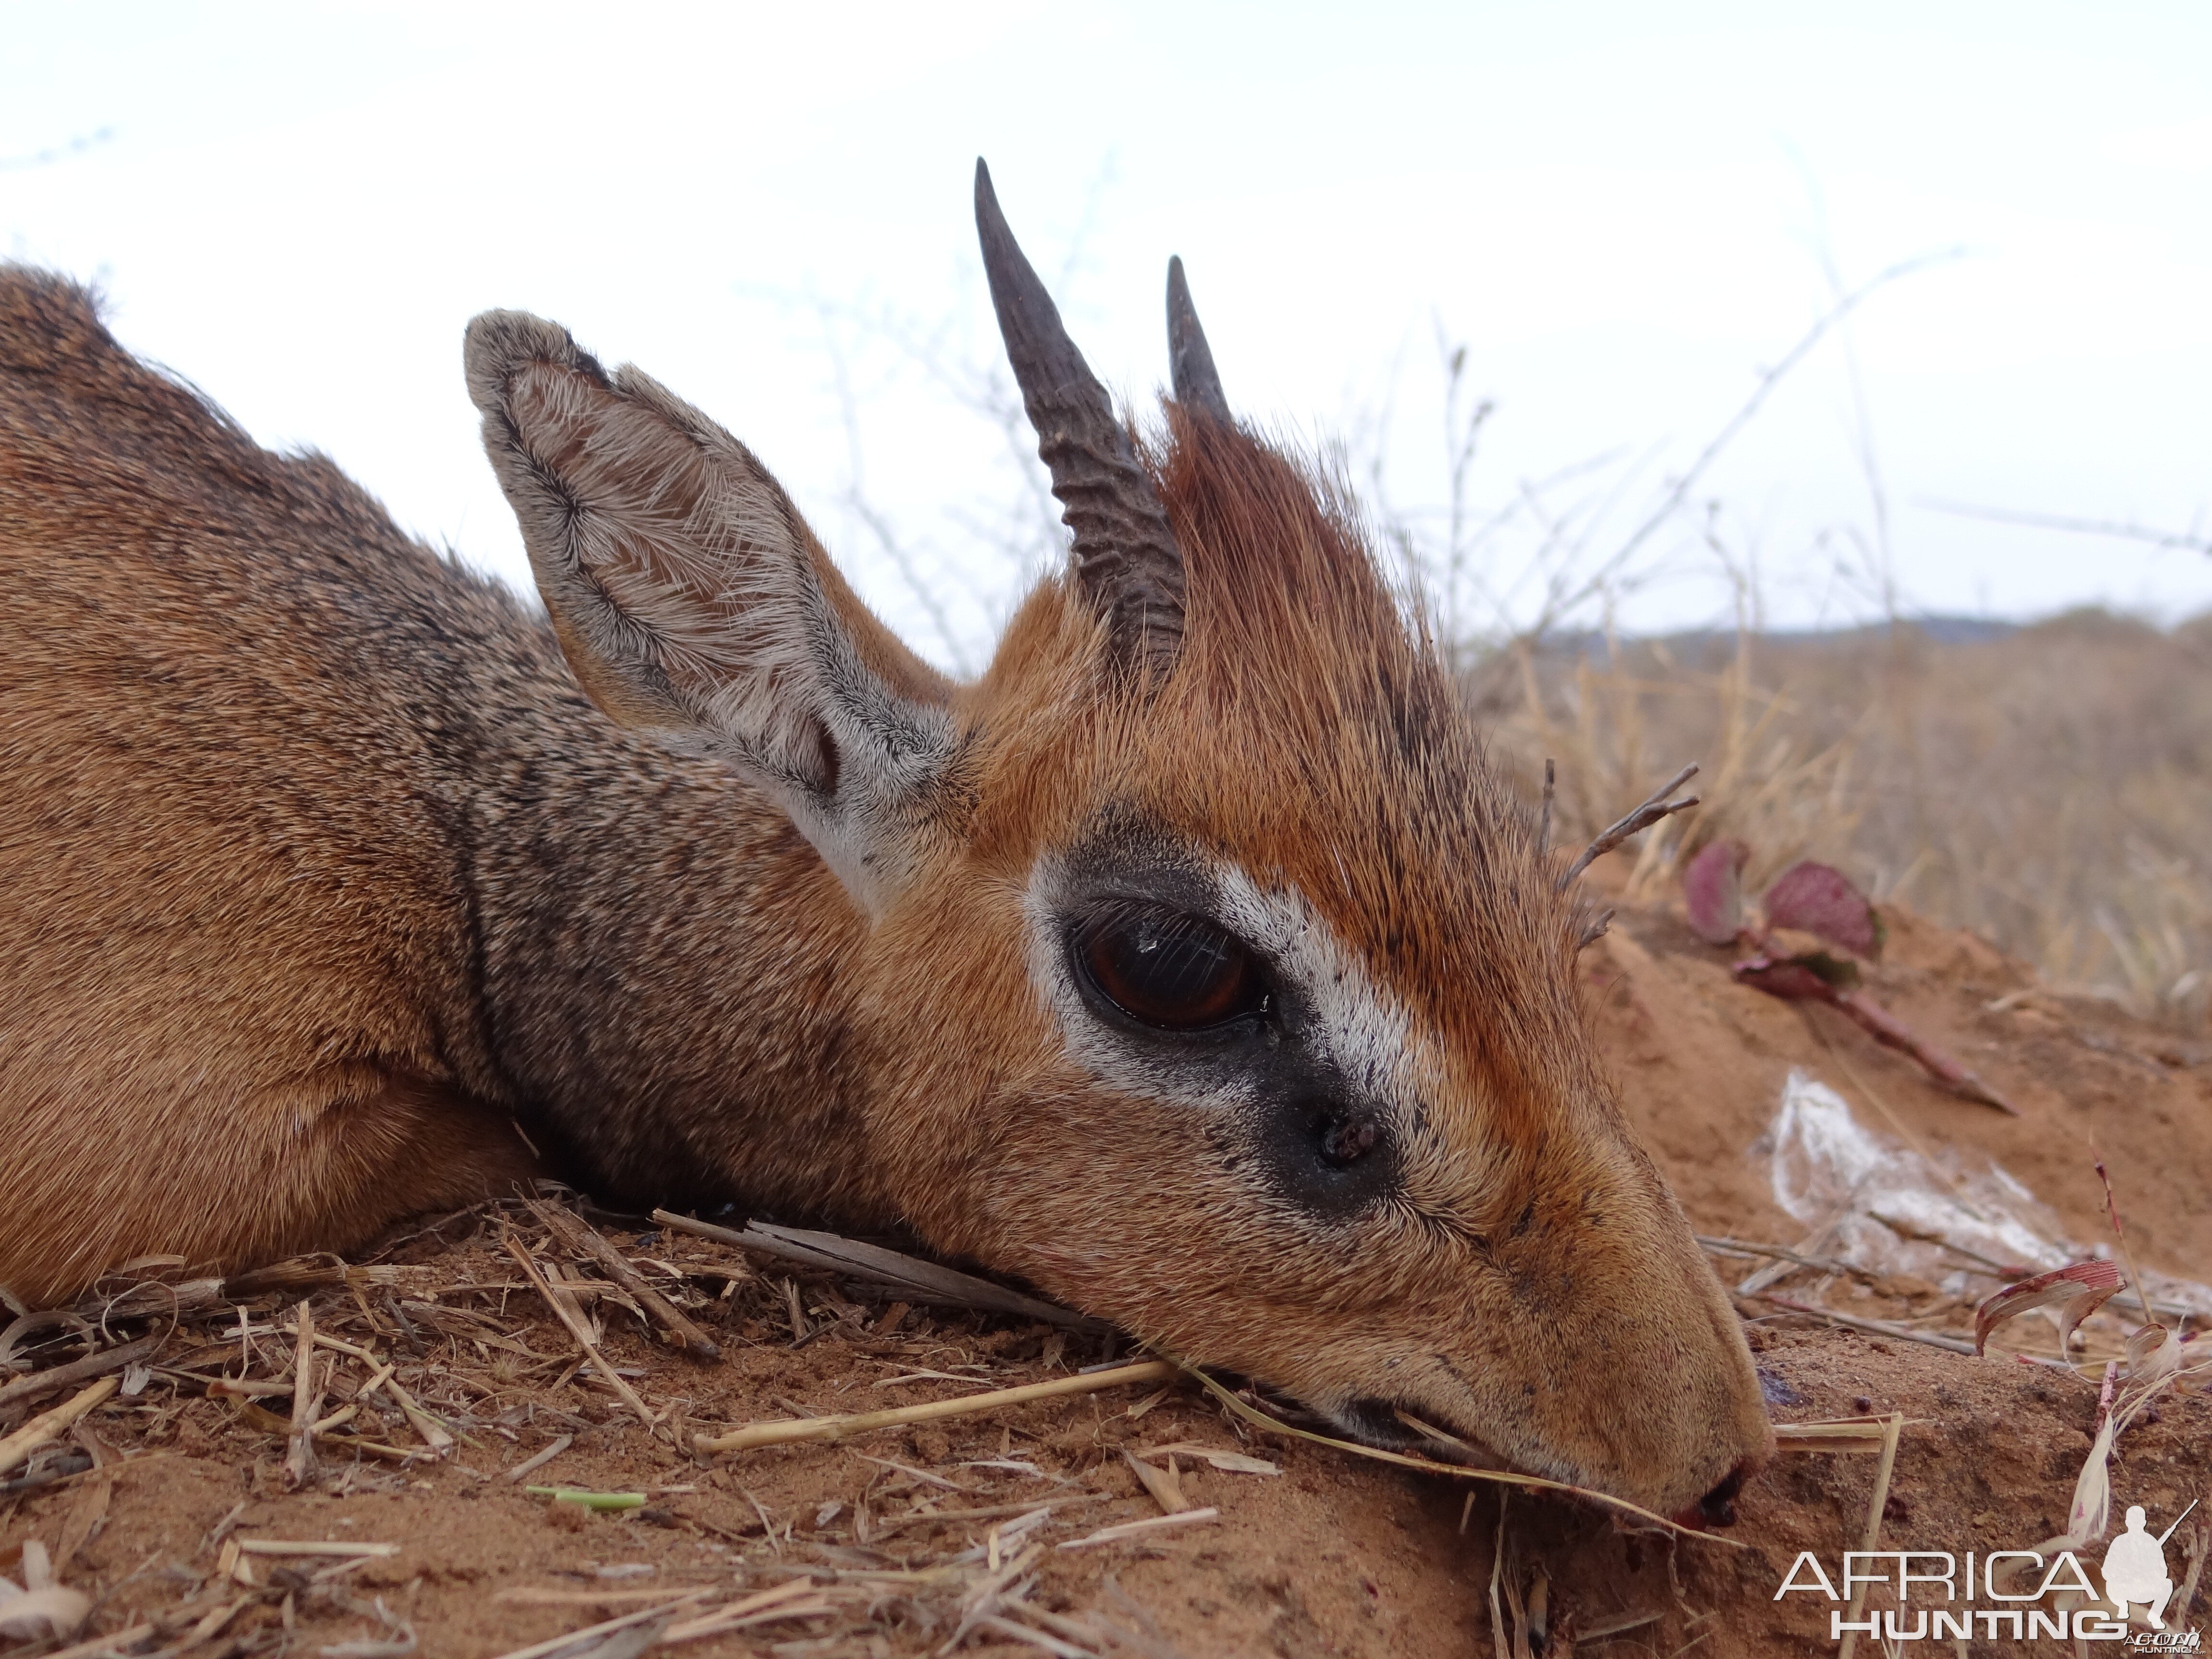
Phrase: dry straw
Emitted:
{"points": [[788, 1432], [17, 1448]]}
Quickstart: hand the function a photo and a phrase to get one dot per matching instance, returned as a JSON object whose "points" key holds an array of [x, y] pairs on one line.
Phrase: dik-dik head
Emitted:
{"points": [[1205, 975]]}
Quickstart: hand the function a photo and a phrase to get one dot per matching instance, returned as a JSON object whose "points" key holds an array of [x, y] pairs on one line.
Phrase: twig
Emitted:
{"points": [[1544, 819], [1892, 1427], [1777, 1253], [154, 1300], [100, 1647], [1497, 1572], [2185, 1597], [767, 1527], [1885, 1028], [914, 1279], [1678, 490], [540, 1459], [17, 1448], [1878, 1327], [284, 1277], [1956, 1182], [1846, 1435], [761, 1607], [306, 1400], [1001, 1625], [582, 1332], [433, 1434], [579, 1236], [881, 1527], [535, 1649], [1626, 1621], [527, 1596], [66, 1467], [2187, 541], [78, 1370], [1655, 807], [1793, 980], [1135, 1528], [836, 1428], [1074, 1629], [2135, 1274]]}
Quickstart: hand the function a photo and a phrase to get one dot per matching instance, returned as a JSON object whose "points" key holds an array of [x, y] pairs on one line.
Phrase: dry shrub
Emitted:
{"points": [[2050, 787]]}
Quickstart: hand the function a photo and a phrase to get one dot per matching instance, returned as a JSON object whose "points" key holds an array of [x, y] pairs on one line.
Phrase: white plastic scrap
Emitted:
{"points": [[1877, 1203]]}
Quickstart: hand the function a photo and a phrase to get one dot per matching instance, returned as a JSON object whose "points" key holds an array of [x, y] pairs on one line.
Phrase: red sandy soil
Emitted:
{"points": [[1332, 1555]]}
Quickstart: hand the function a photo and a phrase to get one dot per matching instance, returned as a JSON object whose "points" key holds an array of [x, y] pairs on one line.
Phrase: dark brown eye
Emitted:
{"points": [[1169, 969]]}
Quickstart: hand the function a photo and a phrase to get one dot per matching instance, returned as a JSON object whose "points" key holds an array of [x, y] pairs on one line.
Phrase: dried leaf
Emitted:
{"points": [[1712, 889], [1815, 898], [2153, 1355], [2083, 1286]]}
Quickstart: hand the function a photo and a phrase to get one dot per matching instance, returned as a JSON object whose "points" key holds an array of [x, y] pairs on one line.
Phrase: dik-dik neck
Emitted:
{"points": [[661, 984]]}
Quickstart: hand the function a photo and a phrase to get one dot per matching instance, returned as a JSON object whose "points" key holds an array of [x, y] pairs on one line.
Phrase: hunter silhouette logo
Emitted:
{"points": [[2135, 1566]]}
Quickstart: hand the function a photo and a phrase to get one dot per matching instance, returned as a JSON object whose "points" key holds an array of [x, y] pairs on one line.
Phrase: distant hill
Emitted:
{"points": [[1699, 644]]}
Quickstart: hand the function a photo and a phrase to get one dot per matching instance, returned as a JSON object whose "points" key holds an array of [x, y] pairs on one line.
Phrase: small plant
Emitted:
{"points": [[1821, 901]]}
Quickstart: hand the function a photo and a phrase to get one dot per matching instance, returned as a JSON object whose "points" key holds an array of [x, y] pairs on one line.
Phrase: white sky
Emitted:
{"points": [[1621, 209]]}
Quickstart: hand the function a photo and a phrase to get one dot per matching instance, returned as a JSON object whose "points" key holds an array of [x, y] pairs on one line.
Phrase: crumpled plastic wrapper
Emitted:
{"points": [[1872, 1201]]}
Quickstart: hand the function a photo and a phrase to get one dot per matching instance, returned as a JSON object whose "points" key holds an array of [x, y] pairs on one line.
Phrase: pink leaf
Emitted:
{"points": [[2083, 1287], [1814, 898], [1713, 887]]}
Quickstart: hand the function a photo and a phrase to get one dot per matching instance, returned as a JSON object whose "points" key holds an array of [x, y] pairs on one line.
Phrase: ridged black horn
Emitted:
{"points": [[1124, 556], [1197, 382]]}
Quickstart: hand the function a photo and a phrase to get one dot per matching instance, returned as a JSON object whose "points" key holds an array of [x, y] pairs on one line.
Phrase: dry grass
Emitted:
{"points": [[2049, 789]]}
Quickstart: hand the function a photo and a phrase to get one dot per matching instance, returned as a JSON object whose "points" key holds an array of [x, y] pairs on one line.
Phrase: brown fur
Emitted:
{"points": [[325, 883]]}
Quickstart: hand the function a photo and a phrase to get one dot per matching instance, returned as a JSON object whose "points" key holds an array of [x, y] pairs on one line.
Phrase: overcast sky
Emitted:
{"points": [[1624, 212]]}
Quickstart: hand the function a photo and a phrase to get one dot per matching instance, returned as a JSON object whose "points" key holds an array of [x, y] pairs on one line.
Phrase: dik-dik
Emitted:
{"points": [[1189, 964]]}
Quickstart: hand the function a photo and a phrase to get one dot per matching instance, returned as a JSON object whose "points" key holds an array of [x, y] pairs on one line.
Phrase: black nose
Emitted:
{"points": [[1717, 1507]]}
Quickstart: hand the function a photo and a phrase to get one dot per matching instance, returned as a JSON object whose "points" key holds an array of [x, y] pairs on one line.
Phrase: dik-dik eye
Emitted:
{"points": [[1167, 969]]}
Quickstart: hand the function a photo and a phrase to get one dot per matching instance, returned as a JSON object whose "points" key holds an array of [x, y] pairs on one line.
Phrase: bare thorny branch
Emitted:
{"points": [[2191, 540], [1654, 808], [1566, 529]]}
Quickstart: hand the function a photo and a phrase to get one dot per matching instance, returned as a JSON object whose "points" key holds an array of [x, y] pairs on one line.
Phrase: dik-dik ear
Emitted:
{"points": [[694, 603]]}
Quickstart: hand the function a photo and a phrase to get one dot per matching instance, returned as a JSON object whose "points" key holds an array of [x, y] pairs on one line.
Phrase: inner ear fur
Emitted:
{"points": [[694, 603]]}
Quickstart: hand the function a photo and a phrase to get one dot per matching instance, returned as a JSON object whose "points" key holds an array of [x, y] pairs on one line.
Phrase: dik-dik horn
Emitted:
{"points": [[1189, 964]]}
